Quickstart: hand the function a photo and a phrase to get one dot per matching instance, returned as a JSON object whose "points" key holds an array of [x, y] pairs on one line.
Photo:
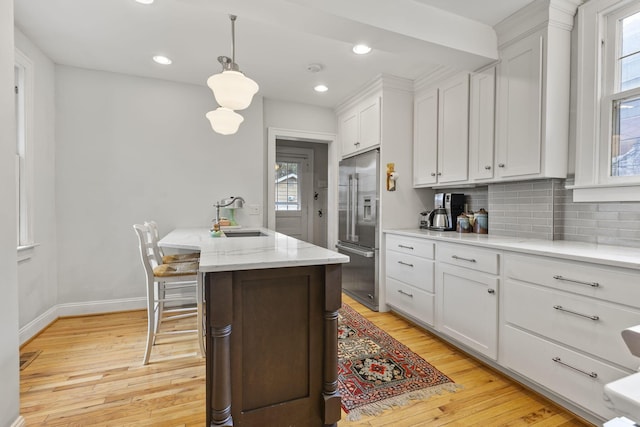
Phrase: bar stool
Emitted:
{"points": [[167, 283]]}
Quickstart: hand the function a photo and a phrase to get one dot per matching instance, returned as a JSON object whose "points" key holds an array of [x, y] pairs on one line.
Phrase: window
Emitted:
{"points": [[24, 171], [608, 102], [621, 82], [287, 188]]}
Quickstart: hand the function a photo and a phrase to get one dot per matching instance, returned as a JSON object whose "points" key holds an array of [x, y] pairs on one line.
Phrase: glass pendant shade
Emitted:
{"points": [[232, 89], [224, 121]]}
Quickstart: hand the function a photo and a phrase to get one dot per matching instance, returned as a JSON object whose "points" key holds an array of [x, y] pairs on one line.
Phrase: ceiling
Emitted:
{"points": [[276, 40]]}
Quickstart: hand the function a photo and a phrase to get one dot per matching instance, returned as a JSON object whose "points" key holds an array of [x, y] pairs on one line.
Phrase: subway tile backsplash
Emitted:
{"points": [[544, 209]]}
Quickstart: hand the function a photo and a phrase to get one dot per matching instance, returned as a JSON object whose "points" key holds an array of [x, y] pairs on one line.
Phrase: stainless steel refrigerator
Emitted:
{"points": [[358, 226]]}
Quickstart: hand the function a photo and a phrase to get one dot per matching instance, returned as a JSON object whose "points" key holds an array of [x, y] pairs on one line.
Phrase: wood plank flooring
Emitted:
{"points": [[90, 374]]}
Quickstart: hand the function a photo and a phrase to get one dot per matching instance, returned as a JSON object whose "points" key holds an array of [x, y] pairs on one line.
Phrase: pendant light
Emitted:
{"points": [[224, 121], [232, 90]]}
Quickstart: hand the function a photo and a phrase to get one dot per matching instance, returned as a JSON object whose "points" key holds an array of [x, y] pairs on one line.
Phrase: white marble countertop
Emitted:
{"points": [[273, 250], [618, 256]]}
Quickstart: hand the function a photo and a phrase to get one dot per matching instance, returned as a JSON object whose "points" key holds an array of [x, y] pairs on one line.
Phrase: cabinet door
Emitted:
{"points": [[467, 307], [349, 132], [519, 108], [453, 130], [369, 123], [425, 139], [482, 124]]}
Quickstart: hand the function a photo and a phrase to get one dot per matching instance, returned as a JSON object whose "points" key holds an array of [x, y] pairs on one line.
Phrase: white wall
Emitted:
{"points": [[9, 361], [131, 149], [37, 276], [295, 116]]}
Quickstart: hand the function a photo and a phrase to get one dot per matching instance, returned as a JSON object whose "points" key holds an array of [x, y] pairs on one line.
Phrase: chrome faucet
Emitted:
{"points": [[236, 201]]}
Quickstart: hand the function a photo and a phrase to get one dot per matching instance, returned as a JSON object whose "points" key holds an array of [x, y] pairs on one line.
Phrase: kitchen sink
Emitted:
{"points": [[248, 233]]}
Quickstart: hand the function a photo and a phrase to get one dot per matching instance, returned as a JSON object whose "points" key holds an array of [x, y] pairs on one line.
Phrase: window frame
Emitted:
{"points": [[596, 77], [25, 172]]}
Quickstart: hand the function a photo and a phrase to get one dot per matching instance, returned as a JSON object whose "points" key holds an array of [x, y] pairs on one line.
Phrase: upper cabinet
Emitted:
{"points": [[532, 92], [360, 126], [511, 122], [482, 124], [441, 136]]}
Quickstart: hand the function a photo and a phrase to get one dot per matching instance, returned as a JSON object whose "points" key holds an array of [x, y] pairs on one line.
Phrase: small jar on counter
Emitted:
{"points": [[462, 224]]}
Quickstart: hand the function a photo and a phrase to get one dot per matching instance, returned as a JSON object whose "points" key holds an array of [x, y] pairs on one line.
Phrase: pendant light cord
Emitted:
{"points": [[233, 40]]}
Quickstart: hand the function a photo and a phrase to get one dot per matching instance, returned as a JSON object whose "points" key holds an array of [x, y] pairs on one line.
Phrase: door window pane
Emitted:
{"points": [[625, 144], [287, 188]]}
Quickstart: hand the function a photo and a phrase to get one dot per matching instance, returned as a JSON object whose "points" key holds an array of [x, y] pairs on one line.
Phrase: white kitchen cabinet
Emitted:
{"points": [[532, 102], [442, 134], [467, 298], [519, 108], [410, 277], [425, 139], [561, 324], [482, 102], [360, 126]]}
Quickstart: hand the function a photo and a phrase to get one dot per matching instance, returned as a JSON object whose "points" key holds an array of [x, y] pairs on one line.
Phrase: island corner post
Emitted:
{"points": [[272, 346]]}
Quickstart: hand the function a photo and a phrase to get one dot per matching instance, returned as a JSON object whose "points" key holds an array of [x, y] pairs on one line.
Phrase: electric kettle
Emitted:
{"points": [[438, 219]]}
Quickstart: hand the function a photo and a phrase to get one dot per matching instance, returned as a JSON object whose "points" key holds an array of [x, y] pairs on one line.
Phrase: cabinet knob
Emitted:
{"points": [[439, 173], [500, 165], [491, 291], [433, 174], [487, 167]]}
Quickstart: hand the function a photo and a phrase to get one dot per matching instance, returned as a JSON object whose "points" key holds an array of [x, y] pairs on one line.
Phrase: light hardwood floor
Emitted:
{"points": [[90, 374]]}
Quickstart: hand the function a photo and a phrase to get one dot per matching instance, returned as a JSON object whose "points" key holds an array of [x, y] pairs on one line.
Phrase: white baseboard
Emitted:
{"points": [[32, 328], [19, 422]]}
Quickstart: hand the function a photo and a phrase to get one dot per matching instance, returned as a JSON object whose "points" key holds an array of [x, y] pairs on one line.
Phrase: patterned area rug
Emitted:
{"points": [[376, 372]]}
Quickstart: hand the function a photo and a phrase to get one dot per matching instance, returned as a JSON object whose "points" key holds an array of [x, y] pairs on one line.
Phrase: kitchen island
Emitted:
{"points": [[271, 327]]}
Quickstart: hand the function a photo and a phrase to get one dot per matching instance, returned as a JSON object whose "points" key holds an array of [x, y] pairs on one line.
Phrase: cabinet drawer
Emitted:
{"points": [[469, 257], [410, 269], [412, 301], [533, 357], [611, 284], [410, 245], [584, 323]]}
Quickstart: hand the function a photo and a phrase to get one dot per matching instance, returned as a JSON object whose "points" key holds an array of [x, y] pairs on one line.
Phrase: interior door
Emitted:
{"points": [[293, 182]]}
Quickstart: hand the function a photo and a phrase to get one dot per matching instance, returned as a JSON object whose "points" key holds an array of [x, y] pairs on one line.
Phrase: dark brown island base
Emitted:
{"points": [[272, 347]]}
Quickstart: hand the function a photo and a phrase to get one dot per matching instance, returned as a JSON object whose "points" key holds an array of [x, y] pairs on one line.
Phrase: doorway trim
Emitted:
{"points": [[274, 134]]}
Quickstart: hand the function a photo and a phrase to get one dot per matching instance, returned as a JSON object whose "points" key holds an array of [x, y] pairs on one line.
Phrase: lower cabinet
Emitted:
{"points": [[409, 277], [552, 320], [467, 307], [568, 373]]}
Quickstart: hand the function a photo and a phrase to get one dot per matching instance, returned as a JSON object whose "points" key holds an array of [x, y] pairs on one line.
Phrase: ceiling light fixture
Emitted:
{"points": [[321, 88], [361, 49], [144, 1], [163, 60], [232, 90]]}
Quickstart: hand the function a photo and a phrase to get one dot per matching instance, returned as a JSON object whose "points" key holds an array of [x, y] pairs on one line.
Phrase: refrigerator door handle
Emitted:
{"points": [[349, 208], [361, 252], [354, 207]]}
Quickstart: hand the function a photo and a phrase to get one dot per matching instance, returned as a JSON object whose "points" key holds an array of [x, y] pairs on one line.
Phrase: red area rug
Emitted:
{"points": [[377, 372]]}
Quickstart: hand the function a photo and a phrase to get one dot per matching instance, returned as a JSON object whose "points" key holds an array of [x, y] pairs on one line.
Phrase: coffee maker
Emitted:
{"points": [[453, 205]]}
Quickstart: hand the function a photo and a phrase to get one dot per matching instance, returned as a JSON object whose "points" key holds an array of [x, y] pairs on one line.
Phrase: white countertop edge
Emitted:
{"points": [[616, 256], [274, 250]]}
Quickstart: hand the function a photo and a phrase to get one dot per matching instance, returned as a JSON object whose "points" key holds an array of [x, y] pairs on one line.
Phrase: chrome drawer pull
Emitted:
{"points": [[463, 259], [579, 282], [405, 263], [561, 308], [405, 247], [405, 293], [590, 374]]}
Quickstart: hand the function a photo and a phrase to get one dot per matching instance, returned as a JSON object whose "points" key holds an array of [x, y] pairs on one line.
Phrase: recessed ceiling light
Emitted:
{"points": [[160, 59], [145, 1], [361, 49], [321, 88]]}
